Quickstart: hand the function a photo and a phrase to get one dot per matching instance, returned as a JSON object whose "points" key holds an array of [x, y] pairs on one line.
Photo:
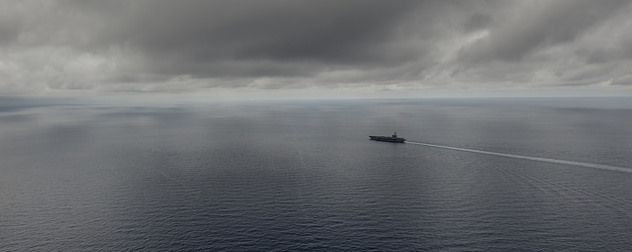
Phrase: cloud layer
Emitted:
{"points": [[201, 46]]}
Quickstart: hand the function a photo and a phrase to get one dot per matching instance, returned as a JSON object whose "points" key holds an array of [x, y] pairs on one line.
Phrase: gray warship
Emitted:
{"points": [[392, 139]]}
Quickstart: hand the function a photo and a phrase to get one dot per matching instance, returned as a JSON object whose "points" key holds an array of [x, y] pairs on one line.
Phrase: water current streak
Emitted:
{"points": [[557, 161]]}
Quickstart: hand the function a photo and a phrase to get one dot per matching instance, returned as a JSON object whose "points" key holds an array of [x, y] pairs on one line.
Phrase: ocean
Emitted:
{"points": [[477, 174]]}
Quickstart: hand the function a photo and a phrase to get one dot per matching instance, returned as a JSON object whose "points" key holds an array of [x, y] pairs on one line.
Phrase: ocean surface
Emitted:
{"points": [[514, 174]]}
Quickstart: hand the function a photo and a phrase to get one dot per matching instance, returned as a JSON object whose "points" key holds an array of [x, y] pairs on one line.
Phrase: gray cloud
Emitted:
{"points": [[539, 26], [211, 38], [191, 46]]}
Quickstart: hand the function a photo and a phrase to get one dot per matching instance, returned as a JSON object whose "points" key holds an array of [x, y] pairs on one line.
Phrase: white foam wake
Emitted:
{"points": [[550, 160]]}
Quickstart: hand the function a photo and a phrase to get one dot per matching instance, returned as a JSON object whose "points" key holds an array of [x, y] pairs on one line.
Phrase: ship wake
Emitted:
{"points": [[549, 160]]}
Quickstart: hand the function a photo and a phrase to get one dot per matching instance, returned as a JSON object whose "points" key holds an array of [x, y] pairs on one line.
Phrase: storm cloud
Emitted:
{"points": [[201, 46]]}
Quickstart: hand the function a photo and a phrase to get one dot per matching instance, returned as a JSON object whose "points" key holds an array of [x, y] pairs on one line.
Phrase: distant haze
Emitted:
{"points": [[316, 48]]}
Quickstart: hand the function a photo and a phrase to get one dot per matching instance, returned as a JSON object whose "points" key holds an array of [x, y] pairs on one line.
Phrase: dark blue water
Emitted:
{"points": [[303, 176]]}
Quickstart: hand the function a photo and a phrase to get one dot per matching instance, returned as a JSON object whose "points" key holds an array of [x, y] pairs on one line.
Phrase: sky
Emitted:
{"points": [[324, 48]]}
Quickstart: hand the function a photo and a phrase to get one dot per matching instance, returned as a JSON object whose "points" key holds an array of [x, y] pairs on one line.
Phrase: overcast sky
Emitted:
{"points": [[325, 46]]}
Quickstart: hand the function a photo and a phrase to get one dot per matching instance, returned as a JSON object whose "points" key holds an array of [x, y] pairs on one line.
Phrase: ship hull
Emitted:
{"points": [[388, 139]]}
